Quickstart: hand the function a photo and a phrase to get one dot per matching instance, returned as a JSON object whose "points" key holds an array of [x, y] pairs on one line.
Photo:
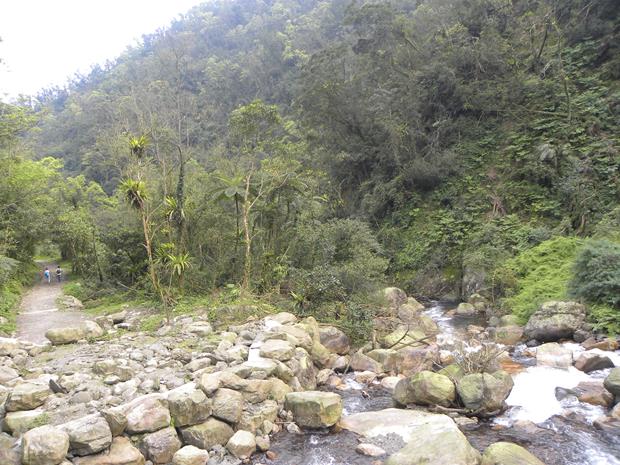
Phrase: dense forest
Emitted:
{"points": [[313, 150]]}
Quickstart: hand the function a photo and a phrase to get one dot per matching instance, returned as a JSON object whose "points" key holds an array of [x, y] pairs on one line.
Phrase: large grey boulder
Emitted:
{"points": [[160, 446], [188, 406], [88, 435], [228, 405], [71, 334], [27, 396], [425, 388], [555, 320], [45, 445], [485, 393], [314, 409], [121, 452], [507, 453], [208, 434], [334, 340]]}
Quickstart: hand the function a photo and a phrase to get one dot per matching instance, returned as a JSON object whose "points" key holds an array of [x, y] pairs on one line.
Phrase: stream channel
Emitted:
{"points": [[557, 432]]}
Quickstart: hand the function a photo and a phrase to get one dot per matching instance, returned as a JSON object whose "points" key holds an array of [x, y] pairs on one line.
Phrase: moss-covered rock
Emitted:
{"points": [[425, 388], [507, 453], [314, 409]]}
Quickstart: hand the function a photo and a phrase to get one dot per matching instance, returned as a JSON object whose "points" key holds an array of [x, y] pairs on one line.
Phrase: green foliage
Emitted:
{"points": [[596, 274], [537, 275]]}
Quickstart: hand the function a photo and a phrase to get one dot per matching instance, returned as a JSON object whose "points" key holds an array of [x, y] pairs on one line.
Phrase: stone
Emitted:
{"points": [[483, 392], [594, 393], [228, 405], [605, 344], [389, 382], [257, 390], [20, 422], [117, 420], [362, 362], [208, 434], [45, 445], [507, 335], [314, 409], [88, 435], [277, 349], [509, 320], [365, 377], [283, 318], [242, 444], [27, 396], [425, 388], [369, 450], [334, 340], [416, 359], [507, 453], [254, 416], [394, 296], [160, 447], [121, 452], [190, 455], [71, 334], [147, 414], [390, 360], [200, 328], [555, 320], [612, 381], [554, 355], [8, 346], [592, 361], [466, 309], [188, 406], [10, 452], [7, 374], [403, 337]]}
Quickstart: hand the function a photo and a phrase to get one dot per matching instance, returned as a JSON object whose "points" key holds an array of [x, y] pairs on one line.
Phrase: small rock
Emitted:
{"points": [[190, 455], [242, 444], [370, 450]]}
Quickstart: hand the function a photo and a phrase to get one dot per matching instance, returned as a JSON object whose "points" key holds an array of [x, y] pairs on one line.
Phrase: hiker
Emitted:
{"points": [[46, 275], [58, 273]]}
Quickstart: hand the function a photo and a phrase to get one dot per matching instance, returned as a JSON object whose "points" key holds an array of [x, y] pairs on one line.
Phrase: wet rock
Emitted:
{"points": [[188, 406], [334, 340], [147, 414], [45, 445], [425, 388], [27, 396], [20, 422], [362, 362], [228, 405], [554, 355], [612, 382], [190, 455], [277, 349], [365, 377], [604, 344], [506, 453], [594, 393], [88, 435], [121, 452], [591, 361], [160, 447], [395, 296], [242, 444], [483, 392], [208, 434], [314, 409], [71, 334], [263, 443], [369, 450], [555, 320]]}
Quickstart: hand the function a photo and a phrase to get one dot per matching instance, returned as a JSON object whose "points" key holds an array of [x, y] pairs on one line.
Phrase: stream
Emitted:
{"points": [[557, 432]]}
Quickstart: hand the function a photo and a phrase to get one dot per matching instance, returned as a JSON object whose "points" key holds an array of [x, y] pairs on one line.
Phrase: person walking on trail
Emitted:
{"points": [[58, 273], [46, 275]]}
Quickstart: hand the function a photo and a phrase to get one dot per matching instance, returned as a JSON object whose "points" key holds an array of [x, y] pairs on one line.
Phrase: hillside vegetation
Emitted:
{"points": [[314, 150]]}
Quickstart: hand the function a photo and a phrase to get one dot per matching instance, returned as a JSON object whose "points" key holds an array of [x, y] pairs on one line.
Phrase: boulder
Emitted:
{"points": [[594, 393], [208, 434], [425, 388], [416, 359], [394, 296], [188, 406], [27, 396], [466, 309], [554, 355], [314, 409], [277, 350], [507, 453], [7, 374], [483, 392], [605, 344], [45, 445], [283, 318], [404, 336], [507, 335], [118, 368], [20, 422], [88, 435], [390, 360], [228, 405], [242, 444], [612, 382], [190, 455], [370, 450], [555, 320], [71, 334], [10, 453], [160, 447], [147, 414], [254, 416], [592, 361], [8, 346], [117, 420], [362, 362], [121, 452], [334, 340]]}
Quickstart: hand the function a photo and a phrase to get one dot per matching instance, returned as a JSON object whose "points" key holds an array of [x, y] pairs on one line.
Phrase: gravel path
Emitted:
{"points": [[39, 312]]}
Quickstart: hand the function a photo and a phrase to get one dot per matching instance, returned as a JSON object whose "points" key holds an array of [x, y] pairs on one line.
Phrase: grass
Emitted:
{"points": [[10, 295]]}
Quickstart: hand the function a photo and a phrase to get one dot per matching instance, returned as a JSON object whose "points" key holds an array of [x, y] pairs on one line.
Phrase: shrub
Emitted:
{"points": [[596, 276]]}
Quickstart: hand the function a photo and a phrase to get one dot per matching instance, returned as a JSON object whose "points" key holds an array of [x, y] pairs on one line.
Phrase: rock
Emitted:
{"points": [[160, 447], [483, 392], [242, 444], [389, 382], [10, 452], [404, 337], [147, 414], [615, 412], [188, 406], [118, 317], [612, 382], [8, 346], [209, 383], [594, 393], [362, 362], [228, 405], [45, 445], [254, 416], [466, 309], [27, 396], [554, 355], [509, 320], [390, 360], [20, 422], [263, 443], [208, 434], [416, 359], [121, 452], [117, 420], [88, 435], [430, 439], [506, 453], [314, 409], [7, 374], [334, 340], [369, 450], [68, 302], [555, 320], [365, 377], [592, 361], [190, 455], [606, 344], [452, 371], [199, 328], [283, 318], [277, 349], [395, 296], [507, 335], [71, 334], [425, 388]]}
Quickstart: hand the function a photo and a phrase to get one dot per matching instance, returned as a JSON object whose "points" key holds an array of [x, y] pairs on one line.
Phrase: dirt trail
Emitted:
{"points": [[39, 312]]}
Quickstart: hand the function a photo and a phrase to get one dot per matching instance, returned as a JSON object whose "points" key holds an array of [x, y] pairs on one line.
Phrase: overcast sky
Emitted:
{"points": [[46, 41]]}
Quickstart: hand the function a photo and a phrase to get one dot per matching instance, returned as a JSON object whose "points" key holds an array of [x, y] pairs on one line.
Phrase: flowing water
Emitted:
{"points": [[559, 432]]}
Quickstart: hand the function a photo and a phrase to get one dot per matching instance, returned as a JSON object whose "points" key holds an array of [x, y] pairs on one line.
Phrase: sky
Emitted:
{"points": [[44, 42]]}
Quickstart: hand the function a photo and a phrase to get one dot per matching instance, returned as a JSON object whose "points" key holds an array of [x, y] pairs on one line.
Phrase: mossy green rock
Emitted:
{"points": [[453, 371], [507, 453], [402, 337], [314, 409], [484, 392], [425, 388], [612, 382]]}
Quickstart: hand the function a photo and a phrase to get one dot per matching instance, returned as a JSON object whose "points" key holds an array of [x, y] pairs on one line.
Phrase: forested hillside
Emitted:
{"points": [[316, 149]]}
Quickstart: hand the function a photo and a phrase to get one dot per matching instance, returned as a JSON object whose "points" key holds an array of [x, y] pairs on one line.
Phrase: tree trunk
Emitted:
{"points": [[247, 264]]}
